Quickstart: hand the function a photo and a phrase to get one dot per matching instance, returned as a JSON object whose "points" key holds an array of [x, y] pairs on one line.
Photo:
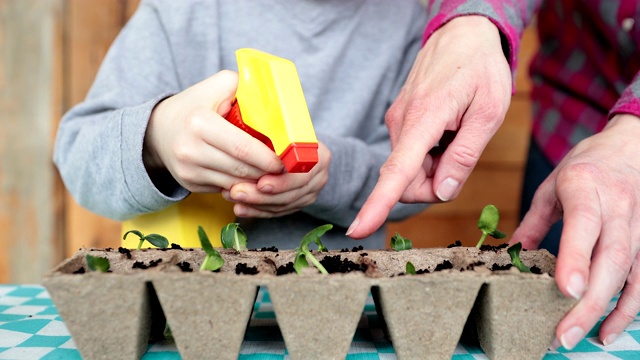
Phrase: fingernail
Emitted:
{"points": [[353, 226], [609, 339], [576, 286], [571, 337], [266, 189], [555, 345], [447, 189], [239, 196]]}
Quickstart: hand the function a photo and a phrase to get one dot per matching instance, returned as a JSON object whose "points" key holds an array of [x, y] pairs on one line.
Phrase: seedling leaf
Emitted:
{"points": [[410, 269], [213, 261], [489, 218], [232, 236], [157, 240], [314, 236], [303, 252], [135, 232], [498, 234], [488, 224], [399, 243], [96, 263], [204, 241], [300, 263], [154, 239], [514, 252]]}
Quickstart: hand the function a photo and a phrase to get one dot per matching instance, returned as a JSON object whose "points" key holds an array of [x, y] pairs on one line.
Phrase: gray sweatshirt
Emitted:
{"points": [[352, 58]]}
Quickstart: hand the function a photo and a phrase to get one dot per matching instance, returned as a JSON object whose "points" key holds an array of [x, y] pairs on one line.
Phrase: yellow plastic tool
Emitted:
{"points": [[270, 106]]}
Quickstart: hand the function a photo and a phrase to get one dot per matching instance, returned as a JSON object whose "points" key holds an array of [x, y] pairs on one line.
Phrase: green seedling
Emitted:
{"points": [[488, 224], [96, 263], [514, 252], [233, 237], [399, 243], [303, 252], [213, 261], [410, 269], [154, 239]]}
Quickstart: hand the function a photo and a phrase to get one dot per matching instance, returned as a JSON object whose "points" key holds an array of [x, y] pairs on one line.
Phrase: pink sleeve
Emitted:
{"points": [[510, 16], [629, 102]]}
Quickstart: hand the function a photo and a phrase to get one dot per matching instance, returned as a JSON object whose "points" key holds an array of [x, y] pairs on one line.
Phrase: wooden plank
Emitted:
{"points": [[28, 99], [509, 146], [91, 27], [130, 8], [528, 48]]}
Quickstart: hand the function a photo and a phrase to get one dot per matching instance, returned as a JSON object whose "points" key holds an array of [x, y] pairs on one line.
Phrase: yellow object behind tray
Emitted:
{"points": [[179, 222]]}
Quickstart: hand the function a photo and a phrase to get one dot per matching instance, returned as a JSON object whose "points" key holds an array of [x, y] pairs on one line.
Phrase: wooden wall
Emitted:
{"points": [[30, 84], [50, 52]]}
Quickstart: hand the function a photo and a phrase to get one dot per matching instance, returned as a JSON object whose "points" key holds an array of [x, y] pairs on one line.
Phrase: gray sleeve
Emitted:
{"points": [[98, 148]]}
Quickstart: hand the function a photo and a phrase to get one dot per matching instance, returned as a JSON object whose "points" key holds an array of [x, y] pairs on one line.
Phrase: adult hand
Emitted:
{"points": [[596, 190], [279, 195], [460, 82], [188, 136]]}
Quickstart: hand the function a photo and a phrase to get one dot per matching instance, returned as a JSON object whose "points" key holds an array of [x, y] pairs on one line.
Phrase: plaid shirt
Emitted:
{"points": [[587, 68]]}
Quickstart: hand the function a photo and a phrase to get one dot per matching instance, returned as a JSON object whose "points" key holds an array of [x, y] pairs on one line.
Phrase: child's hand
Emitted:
{"points": [[188, 136], [279, 195]]}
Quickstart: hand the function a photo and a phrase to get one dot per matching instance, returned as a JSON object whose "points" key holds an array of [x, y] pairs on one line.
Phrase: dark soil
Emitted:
{"points": [[473, 266], [185, 266], [493, 248], [270, 248], [285, 269], [172, 247], [496, 267], [335, 264], [242, 268], [125, 251], [458, 243], [534, 269], [354, 249], [142, 265]]}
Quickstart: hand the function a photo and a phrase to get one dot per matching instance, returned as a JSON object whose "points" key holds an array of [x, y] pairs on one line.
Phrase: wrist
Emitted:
{"points": [[628, 122], [150, 155], [473, 29]]}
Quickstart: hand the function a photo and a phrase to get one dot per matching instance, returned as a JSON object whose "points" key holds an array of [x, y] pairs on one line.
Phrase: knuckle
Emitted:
{"points": [[195, 122], [594, 307], [242, 170], [241, 150], [619, 257], [464, 156], [393, 168], [625, 314]]}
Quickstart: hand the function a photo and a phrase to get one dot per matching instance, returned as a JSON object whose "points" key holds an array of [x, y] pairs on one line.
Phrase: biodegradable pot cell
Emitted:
{"points": [[517, 315], [111, 315], [108, 315], [425, 314], [318, 314], [207, 312]]}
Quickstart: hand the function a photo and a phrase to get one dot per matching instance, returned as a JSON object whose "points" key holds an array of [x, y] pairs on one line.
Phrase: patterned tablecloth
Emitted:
{"points": [[31, 328]]}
